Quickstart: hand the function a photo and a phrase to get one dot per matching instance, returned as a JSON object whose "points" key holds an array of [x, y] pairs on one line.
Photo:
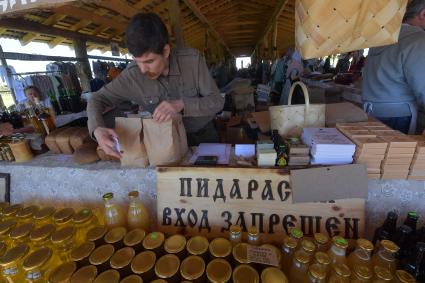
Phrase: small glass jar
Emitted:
{"points": [[134, 239], [245, 274], [38, 263], [322, 242], [296, 234], [84, 220], [26, 214], [10, 211], [40, 237], [100, 257], [272, 275], [362, 254], [11, 263], [240, 254], [63, 217], [80, 255], [5, 228], [299, 268], [309, 247], [63, 241], [220, 248], [121, 261], [132, 279], [402, 276], [385, 257], [176, 244], [254, 236], [198, 245], [63, 273], [108, 276], [115, 237], [288, 249], [96, 235], [20, 234], [154, 242], [323, 260], [44, 216], [341, 272], [143, 264], [235, 234], [361, 274], [316, 274], [219, 271], [383, 274], [193, 268], [86, 274], [167, 267], [337, 252]]}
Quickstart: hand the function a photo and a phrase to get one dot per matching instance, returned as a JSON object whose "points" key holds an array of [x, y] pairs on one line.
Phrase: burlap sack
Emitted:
{"points": [[130, 137]]}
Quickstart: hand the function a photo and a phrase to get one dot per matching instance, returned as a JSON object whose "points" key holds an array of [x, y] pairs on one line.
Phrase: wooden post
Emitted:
{"points": [[86, 75], [206, 43], [174, 13], [9, 77], [275, 55]]}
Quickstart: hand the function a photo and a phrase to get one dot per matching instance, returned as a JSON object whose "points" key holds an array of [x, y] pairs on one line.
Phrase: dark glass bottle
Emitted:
{"points": [[414, 264], [411, 220], [387, 230], [403, 238]]}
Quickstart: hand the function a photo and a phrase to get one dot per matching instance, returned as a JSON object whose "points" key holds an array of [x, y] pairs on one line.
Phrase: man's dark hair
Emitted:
{"points": [[146, 33], [413, 9]]}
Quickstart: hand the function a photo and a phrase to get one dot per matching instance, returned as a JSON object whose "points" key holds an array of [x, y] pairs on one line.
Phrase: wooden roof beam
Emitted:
{"points": [[119, 6]]}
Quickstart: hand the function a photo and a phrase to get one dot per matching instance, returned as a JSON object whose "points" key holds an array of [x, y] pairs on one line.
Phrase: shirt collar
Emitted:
{"points": [[174, 65]]}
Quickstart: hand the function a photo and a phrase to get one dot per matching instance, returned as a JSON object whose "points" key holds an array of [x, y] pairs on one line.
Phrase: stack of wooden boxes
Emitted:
{"points": [[417, 168], [398, 158]]}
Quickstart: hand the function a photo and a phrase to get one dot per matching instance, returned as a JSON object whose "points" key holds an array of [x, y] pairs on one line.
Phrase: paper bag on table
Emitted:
{"points": [[166, 143], [130, 137]]}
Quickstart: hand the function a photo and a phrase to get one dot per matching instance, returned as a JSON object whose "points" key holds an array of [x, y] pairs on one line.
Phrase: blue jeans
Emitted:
{"points": [[401, 124]]}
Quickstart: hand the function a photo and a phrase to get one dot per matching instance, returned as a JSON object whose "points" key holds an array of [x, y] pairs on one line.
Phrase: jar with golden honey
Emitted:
{"points": [[361, 274], [63, 241], [240, 254], [20, 234], [193, 268], [245, 274], [276, 251], [100, 257], [323, 260], [41, 237], [113, 213], [44, 216], [80, 255], [219, 270], [63, 217], [3, 205], [5, 228], [321, 241], [137, 214], [198, 245], [132, 279], [316, 274], [84, 220], [385, 257], [288, 250], [96, 235], [254, 236], [309, 247], [26, 214], [10, 211], [121, 261], [143, 264], [176, 244], [134, 239], [38, 265], [382, 274], [235, 234], [337, 252], [272, 275], [115, 237], [154, 242], [3, 249], [62, 273], [159, 281], [85, 274], [402, 276], [108, 276], [299, 268], [296, 234], [167, 268], [11, 263], [220, 248], [341, 272], [362, 254]]}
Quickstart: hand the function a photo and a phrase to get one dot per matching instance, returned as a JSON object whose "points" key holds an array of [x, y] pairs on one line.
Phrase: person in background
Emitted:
{"points": [[34, 97], [343, 63], [293, 72], [393, 78]]}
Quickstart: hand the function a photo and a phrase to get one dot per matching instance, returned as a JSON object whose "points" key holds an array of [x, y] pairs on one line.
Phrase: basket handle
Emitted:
{"points": [[305, 92]]}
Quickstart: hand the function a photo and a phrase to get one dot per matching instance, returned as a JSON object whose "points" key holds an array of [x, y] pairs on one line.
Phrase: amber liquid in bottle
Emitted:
{"points": [[114, 216], [137, 216]]}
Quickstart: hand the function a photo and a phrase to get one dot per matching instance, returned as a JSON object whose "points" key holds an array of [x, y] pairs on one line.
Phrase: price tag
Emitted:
{"points": [[262, 255]]}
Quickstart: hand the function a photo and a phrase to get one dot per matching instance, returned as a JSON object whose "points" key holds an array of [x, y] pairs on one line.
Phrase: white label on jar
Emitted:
{"points": [[262, 255], [10, 271], [34, 275]]}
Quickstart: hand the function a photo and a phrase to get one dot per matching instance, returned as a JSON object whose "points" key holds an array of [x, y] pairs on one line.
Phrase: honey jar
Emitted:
{"points": [[25, 215], [63, 273], [143, 264], [176, 244], [219, 271], [108, 276], [167, 268], [40, 237], [63, 241], [100, 257], [96, 235], [134, 239], [80, 255], [121, 261], [154, 242], [85, 274], [220, 248], [115, 237], [84, 220], [193, 268], [63, 217], [11, 263], [39, 263], [44, 216]]}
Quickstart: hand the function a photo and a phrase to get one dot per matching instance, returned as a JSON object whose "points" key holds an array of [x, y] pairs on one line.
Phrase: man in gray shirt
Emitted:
{"points": [[394, 75]]}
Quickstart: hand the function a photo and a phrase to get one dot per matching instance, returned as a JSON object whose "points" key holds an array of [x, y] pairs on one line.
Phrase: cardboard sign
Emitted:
{"points": [[12, 6], [207, 201]]}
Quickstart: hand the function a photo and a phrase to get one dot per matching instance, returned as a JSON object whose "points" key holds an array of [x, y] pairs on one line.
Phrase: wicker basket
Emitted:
{"points": [[333, 26]]}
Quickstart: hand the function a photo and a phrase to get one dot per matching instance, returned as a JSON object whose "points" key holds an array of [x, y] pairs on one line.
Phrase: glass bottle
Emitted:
{"points": [[62, 273], [121, 260], [387, 230], [80, 255], [316, 274], [415, 263], [143, 264], [220, 248], [11, 263], [44, 216], [309, 247], [167, 267], [35, 122], [362, 254], [19, 235], [412, 220], [154, 242], [382, 274], [245, 274], [176, 244], [296, 234], [337, 252], [84, 220], [254, 236], [138, 215], [38, 264], [288, 250], [10, 211], [322, 242], [323, 260], [385, 257], [361, 274], [63, 241], [115, 237], [113, 213], [240, 254], [235, 235], [404, 239], [96, 235], [299, 268], [45, 118], [402, 276], [218, 271], [193, 268], [5, 228], [341, 272], [63, 217], [197, 245], [100, 257], [135, 237], [273, 274]]}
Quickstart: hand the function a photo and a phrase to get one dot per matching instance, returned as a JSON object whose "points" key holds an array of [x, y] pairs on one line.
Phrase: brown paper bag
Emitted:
{"points": [[166, 143], [130, 137]]}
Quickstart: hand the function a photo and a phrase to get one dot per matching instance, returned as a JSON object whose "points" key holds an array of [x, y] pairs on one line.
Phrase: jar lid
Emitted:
{"points": [[192, 267], [96, 233], [44, 213], [132, 279], [64, 215], [108, 196], [240, 252], [383, 273], [14, 254], [28, 211], [296, 233], [302, 256], [6, 226], [322, 258], [63, 272], [159, 281], [253, 231], [197, 245], [404, 277], [290, 242], [134, 237], [153, 240], [108, 276], [340, 242], [321, 238], [37, 258], [83, 216], [115, 235], [133, 194], [82, 251], [365, 245], [272, 275], [245, 274], [143, 262], [220, 247], [308, 245], [21, 231], [219, 270], [85, 274], [175, 244], [42, 233], [102, 254], [317, 271], [389, 246], [342, 270], [122, 258], [12, 210], [62, 235], [167, 266], [363, 272], [235, 229]]}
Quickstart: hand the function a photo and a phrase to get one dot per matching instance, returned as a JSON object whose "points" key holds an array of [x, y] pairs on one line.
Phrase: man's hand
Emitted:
{"points": [[105, 139], [167, 109]]}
